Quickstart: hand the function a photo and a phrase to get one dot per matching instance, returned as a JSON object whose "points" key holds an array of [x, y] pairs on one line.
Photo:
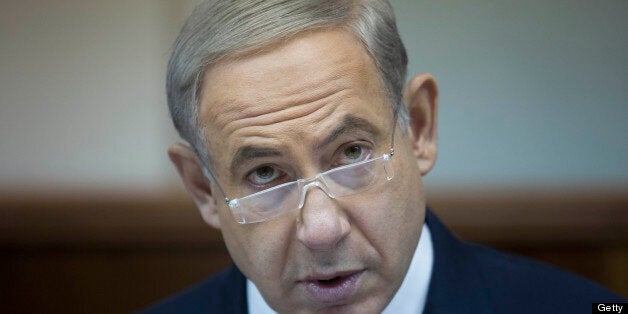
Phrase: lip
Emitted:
{"points": [[333, 287]]}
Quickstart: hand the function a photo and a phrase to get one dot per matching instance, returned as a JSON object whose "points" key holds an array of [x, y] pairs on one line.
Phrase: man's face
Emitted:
{"points": [[290, 111]]}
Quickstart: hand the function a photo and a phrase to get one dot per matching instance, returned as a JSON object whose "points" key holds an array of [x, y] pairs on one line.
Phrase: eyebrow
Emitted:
{"points": [[249, 152], [348, 124]]}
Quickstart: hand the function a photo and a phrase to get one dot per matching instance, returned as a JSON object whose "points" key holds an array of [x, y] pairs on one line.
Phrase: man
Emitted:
{"points": [[307, 152]]}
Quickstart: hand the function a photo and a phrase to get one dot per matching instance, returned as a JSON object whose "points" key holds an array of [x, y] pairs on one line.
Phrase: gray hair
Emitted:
{"points": [[218, 28]]}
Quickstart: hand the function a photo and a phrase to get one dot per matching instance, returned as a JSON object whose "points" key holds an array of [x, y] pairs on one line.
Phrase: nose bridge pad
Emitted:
{"points": [[317, 181], [388, 169]]}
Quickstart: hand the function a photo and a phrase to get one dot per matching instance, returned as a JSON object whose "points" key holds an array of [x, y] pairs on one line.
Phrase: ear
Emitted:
{"points": [[421, 99], [197, 184]]}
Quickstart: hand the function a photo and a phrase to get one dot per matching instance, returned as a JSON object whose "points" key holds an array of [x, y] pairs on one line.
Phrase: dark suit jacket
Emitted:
{"points": [[466, 278]]}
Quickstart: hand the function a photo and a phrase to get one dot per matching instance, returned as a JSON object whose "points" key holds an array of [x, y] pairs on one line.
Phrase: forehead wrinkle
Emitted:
{"points": [[265, 141], [276, 136], [286, 114], [299, 100]]}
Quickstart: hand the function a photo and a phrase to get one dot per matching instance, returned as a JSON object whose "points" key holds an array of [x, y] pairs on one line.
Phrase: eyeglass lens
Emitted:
{"points": [[338, 182]]}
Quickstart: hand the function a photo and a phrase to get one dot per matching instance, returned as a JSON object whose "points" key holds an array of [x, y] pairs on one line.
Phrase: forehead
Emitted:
{"points": [[311, 81]]}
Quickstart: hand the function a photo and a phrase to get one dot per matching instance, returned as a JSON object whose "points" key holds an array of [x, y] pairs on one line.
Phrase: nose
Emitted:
{"points": [[323, 223]]}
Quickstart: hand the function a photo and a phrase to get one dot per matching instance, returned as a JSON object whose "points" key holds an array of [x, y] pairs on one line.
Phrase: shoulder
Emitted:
{"points": [[516, 282], [471, 278], [224, 292], [502, 268]]}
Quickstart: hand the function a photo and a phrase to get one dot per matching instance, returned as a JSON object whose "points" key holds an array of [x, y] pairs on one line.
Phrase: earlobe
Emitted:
{"points": [[196, 183], [421, 98]]}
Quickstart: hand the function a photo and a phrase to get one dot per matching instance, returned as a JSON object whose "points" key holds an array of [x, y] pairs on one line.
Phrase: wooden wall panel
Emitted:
{"points": [[78, 253]]}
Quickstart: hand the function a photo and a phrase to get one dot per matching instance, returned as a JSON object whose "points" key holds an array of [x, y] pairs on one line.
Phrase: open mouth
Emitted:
{"points": [[332, 290], [330, 282]]}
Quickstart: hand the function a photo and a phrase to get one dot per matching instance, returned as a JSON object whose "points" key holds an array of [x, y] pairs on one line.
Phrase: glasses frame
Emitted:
{"points": [[233, 203], [301, 186]]}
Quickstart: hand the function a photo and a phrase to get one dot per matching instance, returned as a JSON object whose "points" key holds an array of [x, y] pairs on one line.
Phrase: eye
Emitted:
{"points": [[264, 175], [352, 154]]}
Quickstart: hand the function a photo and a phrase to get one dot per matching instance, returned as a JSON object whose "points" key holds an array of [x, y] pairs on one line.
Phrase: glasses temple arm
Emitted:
{"points": [[394, 129]]}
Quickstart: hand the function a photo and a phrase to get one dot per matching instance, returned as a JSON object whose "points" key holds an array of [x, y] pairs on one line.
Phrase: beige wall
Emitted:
{"points": [[531, 93], [81, 93]]}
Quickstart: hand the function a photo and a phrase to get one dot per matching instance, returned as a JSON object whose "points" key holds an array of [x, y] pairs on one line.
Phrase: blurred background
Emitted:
{"points": [[533, 156]]}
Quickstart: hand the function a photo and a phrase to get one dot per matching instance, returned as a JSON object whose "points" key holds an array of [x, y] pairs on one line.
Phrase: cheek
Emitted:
{"points": [[259, 250], [397, 214], [392, 220]]}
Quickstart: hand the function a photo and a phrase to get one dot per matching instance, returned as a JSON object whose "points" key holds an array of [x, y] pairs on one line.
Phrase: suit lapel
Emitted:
{"points": [[456, 285]]}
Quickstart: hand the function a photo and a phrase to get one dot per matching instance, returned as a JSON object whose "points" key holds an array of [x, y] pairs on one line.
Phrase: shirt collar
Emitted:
{"points": [[410, 298]]}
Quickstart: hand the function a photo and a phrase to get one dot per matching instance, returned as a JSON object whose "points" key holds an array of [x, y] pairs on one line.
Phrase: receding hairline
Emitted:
{"points": [[344, 25], [270, 46], [267, 46]]}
